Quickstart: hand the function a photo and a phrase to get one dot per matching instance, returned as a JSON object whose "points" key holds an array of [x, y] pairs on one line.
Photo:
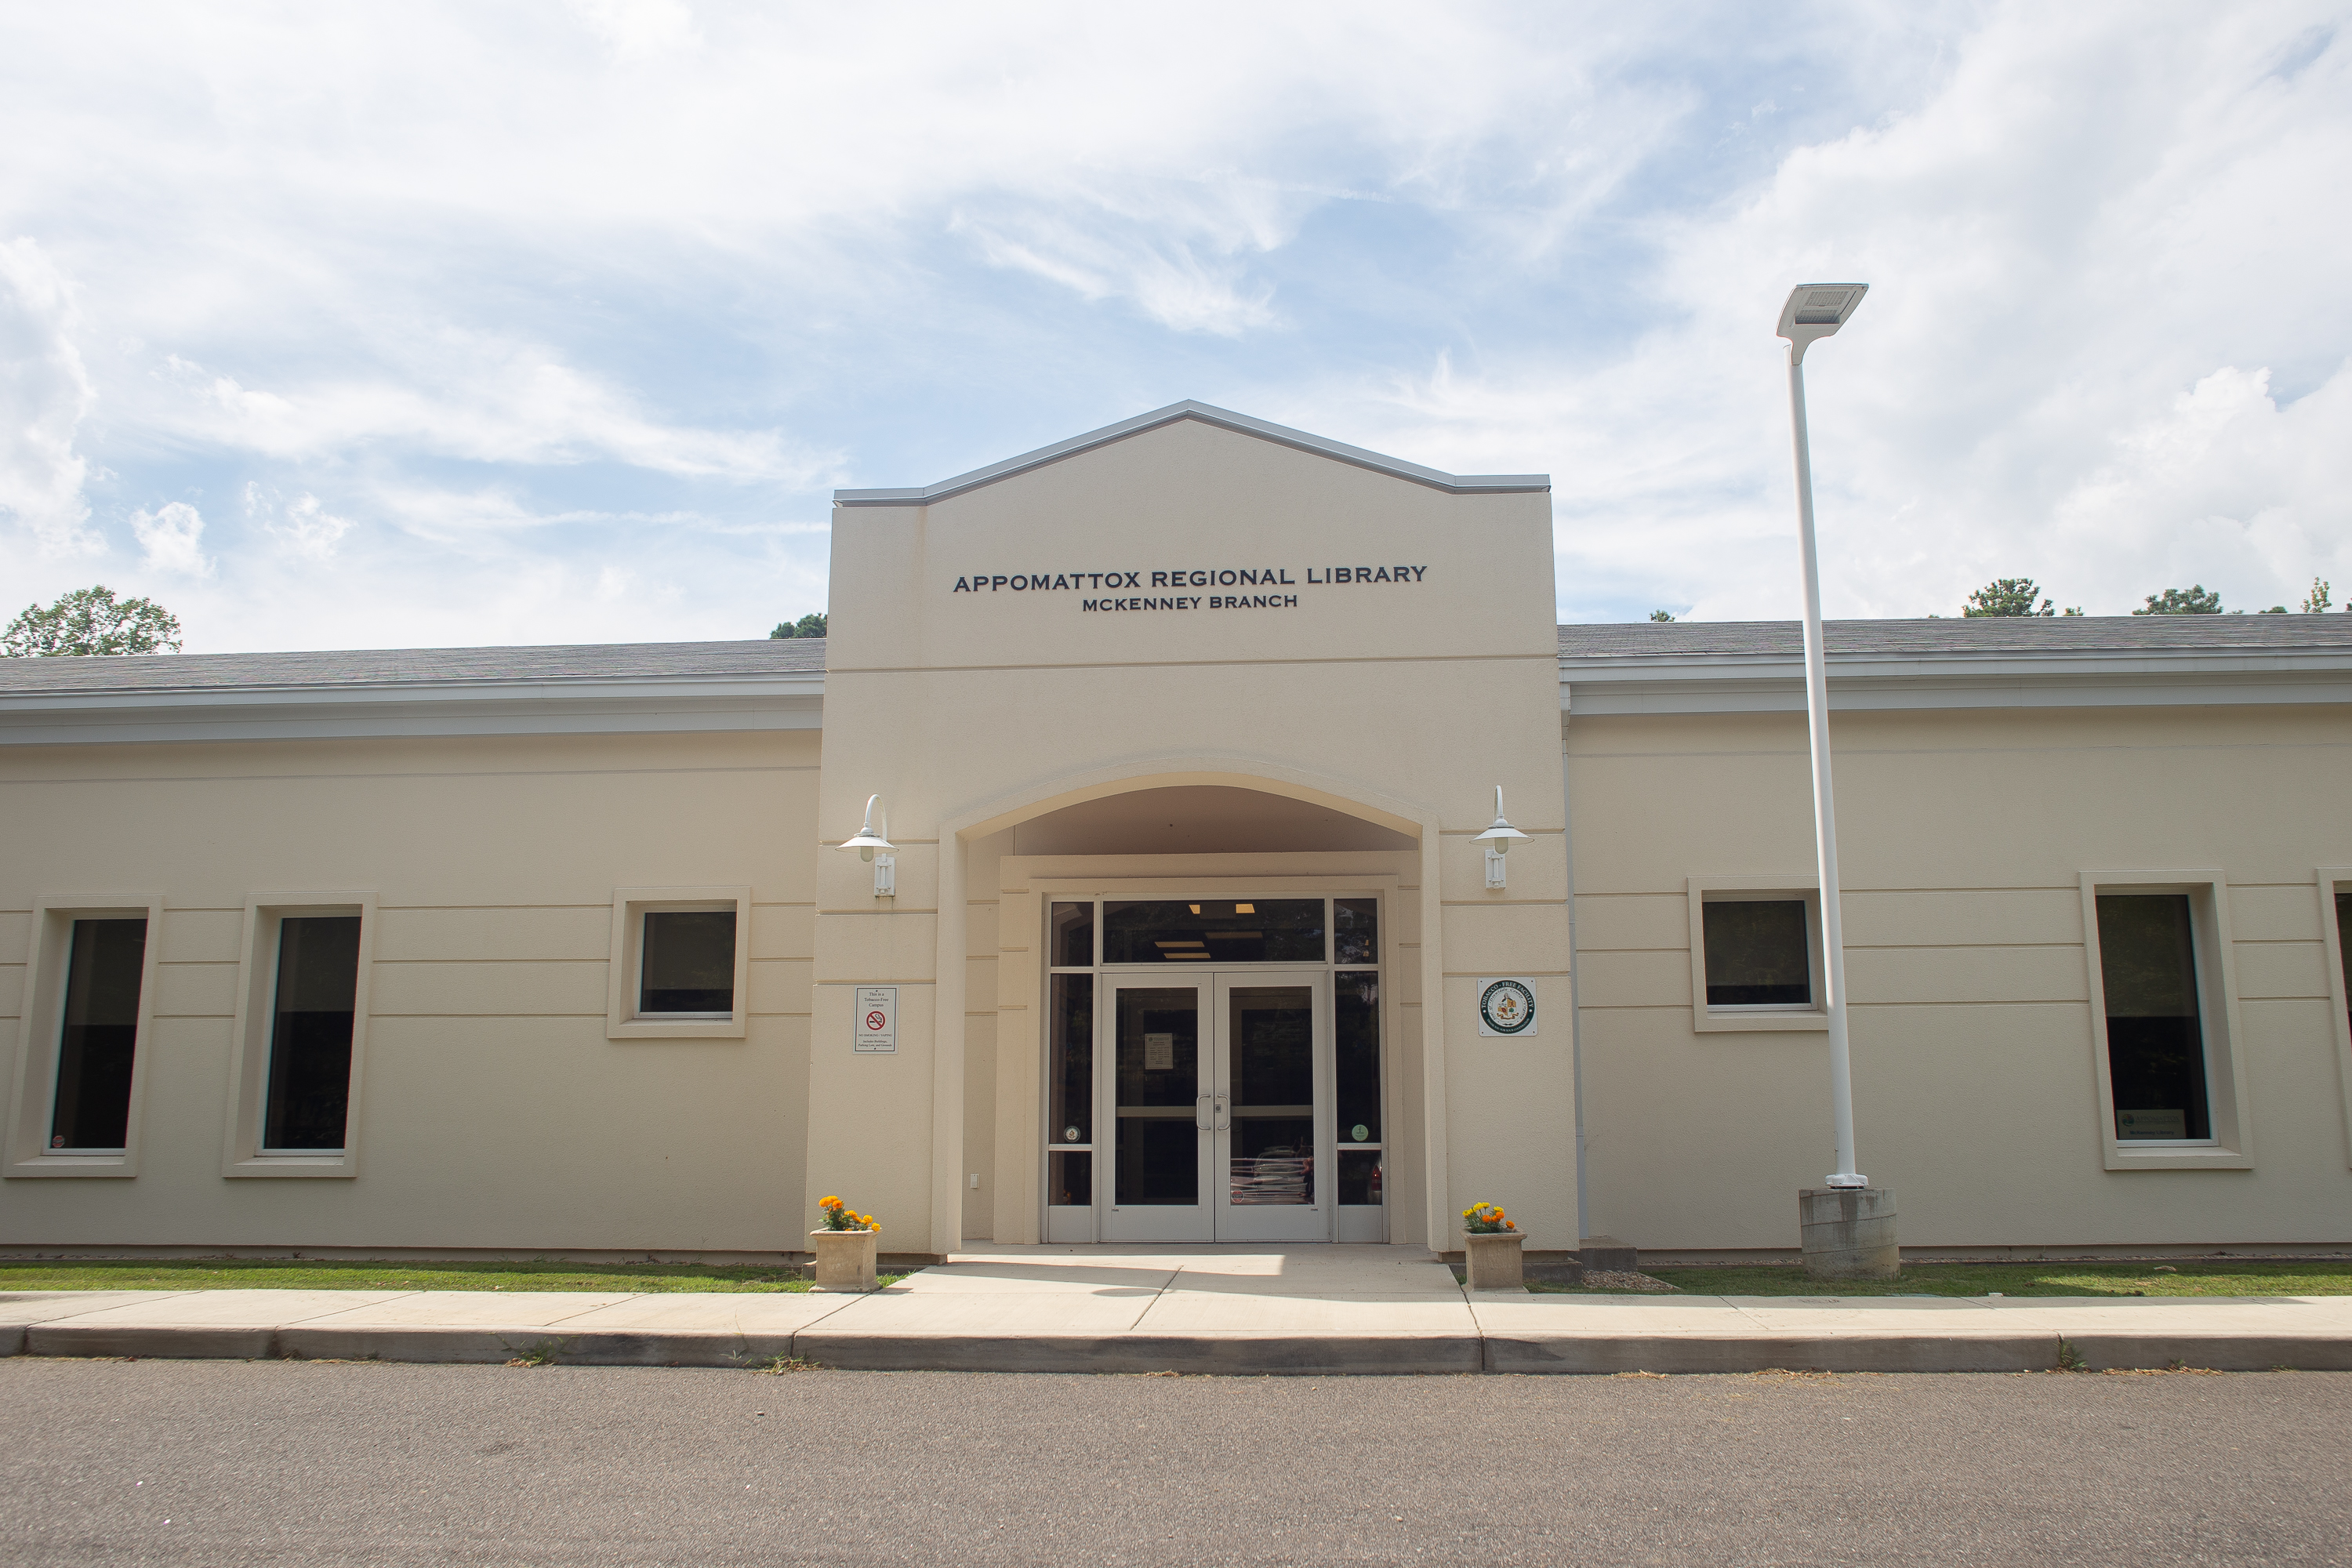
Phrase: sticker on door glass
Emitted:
{"points": [[1160, 1053], [1506, 1008]]}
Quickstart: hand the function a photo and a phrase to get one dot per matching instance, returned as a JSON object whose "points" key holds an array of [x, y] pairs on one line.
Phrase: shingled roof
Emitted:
{"points": [[562, 662], [2009, 635]]}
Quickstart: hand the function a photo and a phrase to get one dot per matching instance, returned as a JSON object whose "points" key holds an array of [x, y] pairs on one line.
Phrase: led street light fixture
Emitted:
{"points": [[1815, 310]]}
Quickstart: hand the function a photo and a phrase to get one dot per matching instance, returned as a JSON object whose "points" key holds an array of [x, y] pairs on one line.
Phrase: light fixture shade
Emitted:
{"points": [[1498, 838], [868, 840], [1815, 310]]}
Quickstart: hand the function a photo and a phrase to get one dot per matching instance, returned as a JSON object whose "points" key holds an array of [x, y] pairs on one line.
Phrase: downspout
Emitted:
{"points": [[1575, 980]]}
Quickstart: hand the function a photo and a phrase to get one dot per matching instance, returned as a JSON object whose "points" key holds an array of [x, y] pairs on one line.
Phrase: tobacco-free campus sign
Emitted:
{"points": [[1239, 587], [877, 1026]]}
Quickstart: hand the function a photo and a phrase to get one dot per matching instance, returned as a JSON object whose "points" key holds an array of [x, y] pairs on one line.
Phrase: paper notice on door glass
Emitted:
{"points": [[1159, 1053]]}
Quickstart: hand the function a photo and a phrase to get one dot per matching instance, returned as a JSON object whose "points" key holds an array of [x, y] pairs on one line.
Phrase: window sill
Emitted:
{"points": [[330, 1165], [47, 1164], [1724, 1021], [656, 1028], [2177, 1157]]}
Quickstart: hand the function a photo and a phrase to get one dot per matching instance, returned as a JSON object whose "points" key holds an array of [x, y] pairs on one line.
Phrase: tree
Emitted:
{"points": [[2009, 597], [2316, 601], [91, 621], [1660, 615], [2193, 600], [808, 625]]}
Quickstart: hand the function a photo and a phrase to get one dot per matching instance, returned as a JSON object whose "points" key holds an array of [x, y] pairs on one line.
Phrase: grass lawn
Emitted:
{"points": [[2317, 1277], [305, 1274]]}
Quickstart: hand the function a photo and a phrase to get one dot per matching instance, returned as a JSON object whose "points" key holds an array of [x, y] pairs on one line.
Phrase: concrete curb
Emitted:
{"points": [[1231, 1354], [1903, 1352]]}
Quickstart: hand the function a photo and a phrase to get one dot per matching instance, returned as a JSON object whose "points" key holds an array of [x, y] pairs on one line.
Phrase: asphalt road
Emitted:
{"points": [[265, 1463]]}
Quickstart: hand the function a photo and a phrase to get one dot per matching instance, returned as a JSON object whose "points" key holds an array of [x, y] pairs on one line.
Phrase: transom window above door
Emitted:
{"points": [[1229, 930]]}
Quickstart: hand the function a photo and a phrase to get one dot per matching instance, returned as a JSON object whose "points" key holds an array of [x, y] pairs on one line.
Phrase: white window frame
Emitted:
{"points": [[1763, 1016], [33, 1096], [630, 906], [2231, 1147], [2332, 880], [257, 993]]}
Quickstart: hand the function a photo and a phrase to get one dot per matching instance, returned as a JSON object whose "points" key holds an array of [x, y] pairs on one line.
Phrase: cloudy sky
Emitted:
{"points": [[356, 326]]}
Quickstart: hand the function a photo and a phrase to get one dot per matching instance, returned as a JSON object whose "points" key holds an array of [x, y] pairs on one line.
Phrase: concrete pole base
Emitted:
{"points": [[1848, 1233]]}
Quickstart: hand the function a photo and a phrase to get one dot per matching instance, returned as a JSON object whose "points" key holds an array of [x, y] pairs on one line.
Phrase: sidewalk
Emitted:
{"points": [[1236, 1310]]}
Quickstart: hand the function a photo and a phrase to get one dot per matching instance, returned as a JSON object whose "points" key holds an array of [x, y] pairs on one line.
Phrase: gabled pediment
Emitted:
{"points": [[1222, 419]]}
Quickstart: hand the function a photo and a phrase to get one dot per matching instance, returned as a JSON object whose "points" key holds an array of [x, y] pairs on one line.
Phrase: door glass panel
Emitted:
{"points": [[1072, 945], [1071, 1071], [1070, 1175], [1360, 1176], [1264, 930], [1355, 930], [1356, 1023], [1272, 1158], [1158, 1082]]}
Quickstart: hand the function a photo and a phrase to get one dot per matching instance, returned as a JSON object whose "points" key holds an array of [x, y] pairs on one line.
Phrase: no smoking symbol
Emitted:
{"points": [[875, 1020]]}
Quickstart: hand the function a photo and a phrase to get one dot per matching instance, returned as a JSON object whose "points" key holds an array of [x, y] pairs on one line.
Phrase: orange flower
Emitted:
{"points": [[828, 1203]]}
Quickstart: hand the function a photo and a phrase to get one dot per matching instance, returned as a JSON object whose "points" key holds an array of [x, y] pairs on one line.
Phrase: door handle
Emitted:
{"points": [[1198, 1125], [1225, 1119]]}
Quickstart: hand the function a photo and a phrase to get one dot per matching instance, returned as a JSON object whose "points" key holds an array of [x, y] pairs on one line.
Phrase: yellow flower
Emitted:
{"points": [[828, 1203]]}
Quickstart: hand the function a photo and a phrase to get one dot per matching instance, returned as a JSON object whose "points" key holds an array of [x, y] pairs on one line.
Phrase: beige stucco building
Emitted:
{"points": [[1185, 733]]}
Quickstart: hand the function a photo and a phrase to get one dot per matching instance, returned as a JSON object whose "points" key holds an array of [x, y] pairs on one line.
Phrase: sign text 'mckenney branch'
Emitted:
{"points": [[1262, 577]]}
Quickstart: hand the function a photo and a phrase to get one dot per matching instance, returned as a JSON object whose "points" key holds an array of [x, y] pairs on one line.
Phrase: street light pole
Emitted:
{"points": [[1815, 310]]}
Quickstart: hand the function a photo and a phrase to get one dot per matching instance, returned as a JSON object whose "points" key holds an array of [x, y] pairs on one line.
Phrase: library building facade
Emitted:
{"points": [[1196, 831]]}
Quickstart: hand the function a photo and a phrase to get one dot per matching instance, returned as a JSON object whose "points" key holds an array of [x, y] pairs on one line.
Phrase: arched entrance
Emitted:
{"points": [[1199, 1034]]}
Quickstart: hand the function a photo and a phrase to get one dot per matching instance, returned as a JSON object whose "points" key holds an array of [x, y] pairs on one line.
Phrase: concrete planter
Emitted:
{"points": [[1494, 1259], [844, 1260]]}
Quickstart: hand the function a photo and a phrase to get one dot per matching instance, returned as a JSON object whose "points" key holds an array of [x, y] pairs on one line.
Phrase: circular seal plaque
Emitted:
{"points": [[1506, 1008]]}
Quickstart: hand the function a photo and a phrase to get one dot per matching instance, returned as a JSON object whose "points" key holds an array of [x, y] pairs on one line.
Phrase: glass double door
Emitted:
{"points": [[1218, 1095]]}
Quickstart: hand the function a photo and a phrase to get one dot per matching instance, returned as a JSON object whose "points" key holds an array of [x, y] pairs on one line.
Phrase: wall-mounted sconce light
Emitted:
{"points": [[1498, 840], [877, 847]]}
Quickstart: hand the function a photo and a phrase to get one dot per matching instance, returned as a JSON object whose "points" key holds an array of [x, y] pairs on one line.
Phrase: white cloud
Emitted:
{"points": [[2093, 249], [485, 400], [636, 29], [171, 539], [45, 393], [511, 300], [303, 525]]}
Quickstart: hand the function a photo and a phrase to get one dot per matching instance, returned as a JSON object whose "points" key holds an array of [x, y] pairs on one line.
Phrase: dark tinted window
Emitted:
{"points": [[99, 1035], [2155, 1045], [310, 1032], [1355, 930], [1275, 931], [1360, 1176], [1356, 1025], [1758, 952], [1070, 1072], [1070, 1178], [688, 962], [1072, 944]]}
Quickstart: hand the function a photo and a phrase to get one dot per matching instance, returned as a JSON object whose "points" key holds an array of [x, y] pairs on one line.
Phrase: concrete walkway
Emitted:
{"points": [[1239, 1309]]}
